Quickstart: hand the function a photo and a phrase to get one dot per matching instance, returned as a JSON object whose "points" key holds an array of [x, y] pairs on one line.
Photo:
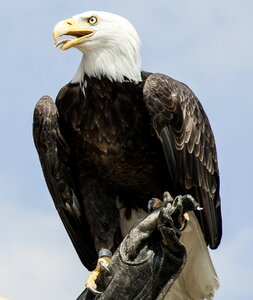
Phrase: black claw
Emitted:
{"points": [[184, 225]]}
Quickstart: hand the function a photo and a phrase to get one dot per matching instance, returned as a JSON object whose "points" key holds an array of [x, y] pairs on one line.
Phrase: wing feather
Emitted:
{"points": [[54, 155], [190, 147]]}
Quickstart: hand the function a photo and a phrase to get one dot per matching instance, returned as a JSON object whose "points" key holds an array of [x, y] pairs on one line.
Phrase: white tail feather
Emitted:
{"points": [[198, 280]]}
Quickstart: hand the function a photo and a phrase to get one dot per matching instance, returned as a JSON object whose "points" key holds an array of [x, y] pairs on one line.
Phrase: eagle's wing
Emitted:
{"points": [[188, 142], [54, 154]]}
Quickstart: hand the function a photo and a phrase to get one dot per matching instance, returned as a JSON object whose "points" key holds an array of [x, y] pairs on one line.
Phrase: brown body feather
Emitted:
{"points": [[128, 141]]}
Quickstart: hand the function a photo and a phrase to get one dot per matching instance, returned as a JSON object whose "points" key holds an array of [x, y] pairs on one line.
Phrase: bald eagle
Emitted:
{"points": [[118, 136]]}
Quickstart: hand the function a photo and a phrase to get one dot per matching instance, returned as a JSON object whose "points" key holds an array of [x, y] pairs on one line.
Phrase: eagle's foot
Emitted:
{"points": [[102, 265], [167, 198], [156, 203], [178, 207], [185, 221]]}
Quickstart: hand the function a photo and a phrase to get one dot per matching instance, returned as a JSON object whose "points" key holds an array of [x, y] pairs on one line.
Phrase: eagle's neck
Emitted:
{"points": [[115, 66]]}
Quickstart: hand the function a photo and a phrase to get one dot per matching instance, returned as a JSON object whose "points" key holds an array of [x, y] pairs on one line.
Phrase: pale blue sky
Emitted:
{"points": [[206, 44]]}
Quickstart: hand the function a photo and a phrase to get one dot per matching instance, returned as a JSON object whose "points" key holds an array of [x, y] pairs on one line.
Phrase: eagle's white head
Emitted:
{"points": [[109, 43]]}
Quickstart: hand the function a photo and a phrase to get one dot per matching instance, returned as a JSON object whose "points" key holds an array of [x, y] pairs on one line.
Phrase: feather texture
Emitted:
{"points": [[198, 280], [106, 140], [175, 109], [54, 157]]}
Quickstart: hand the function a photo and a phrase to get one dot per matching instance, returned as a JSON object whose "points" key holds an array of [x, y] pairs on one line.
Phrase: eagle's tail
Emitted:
{"points": [[198, 280]]}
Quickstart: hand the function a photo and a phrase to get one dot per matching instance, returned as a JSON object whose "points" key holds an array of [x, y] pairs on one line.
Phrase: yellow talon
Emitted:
{"points": [[91, 282], [157, 203], [186, 217], [102, 264]]}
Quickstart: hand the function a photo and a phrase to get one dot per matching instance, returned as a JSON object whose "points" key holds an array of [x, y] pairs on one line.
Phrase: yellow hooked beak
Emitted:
{"points": [[73, 28]]}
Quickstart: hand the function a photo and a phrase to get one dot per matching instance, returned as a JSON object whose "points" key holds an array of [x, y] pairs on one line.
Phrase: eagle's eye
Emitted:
{"points": [[92, 20]]}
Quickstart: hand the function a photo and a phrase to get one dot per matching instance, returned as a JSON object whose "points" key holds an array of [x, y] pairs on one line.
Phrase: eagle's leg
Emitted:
{"points": [[99, 204], [102, 264]]}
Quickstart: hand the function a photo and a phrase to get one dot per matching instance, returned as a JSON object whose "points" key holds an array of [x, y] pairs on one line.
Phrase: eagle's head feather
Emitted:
{"points": [[109, 43]]}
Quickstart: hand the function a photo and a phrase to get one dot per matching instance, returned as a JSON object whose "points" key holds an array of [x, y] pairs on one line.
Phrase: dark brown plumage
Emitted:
{"points": [[105, 140]]}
